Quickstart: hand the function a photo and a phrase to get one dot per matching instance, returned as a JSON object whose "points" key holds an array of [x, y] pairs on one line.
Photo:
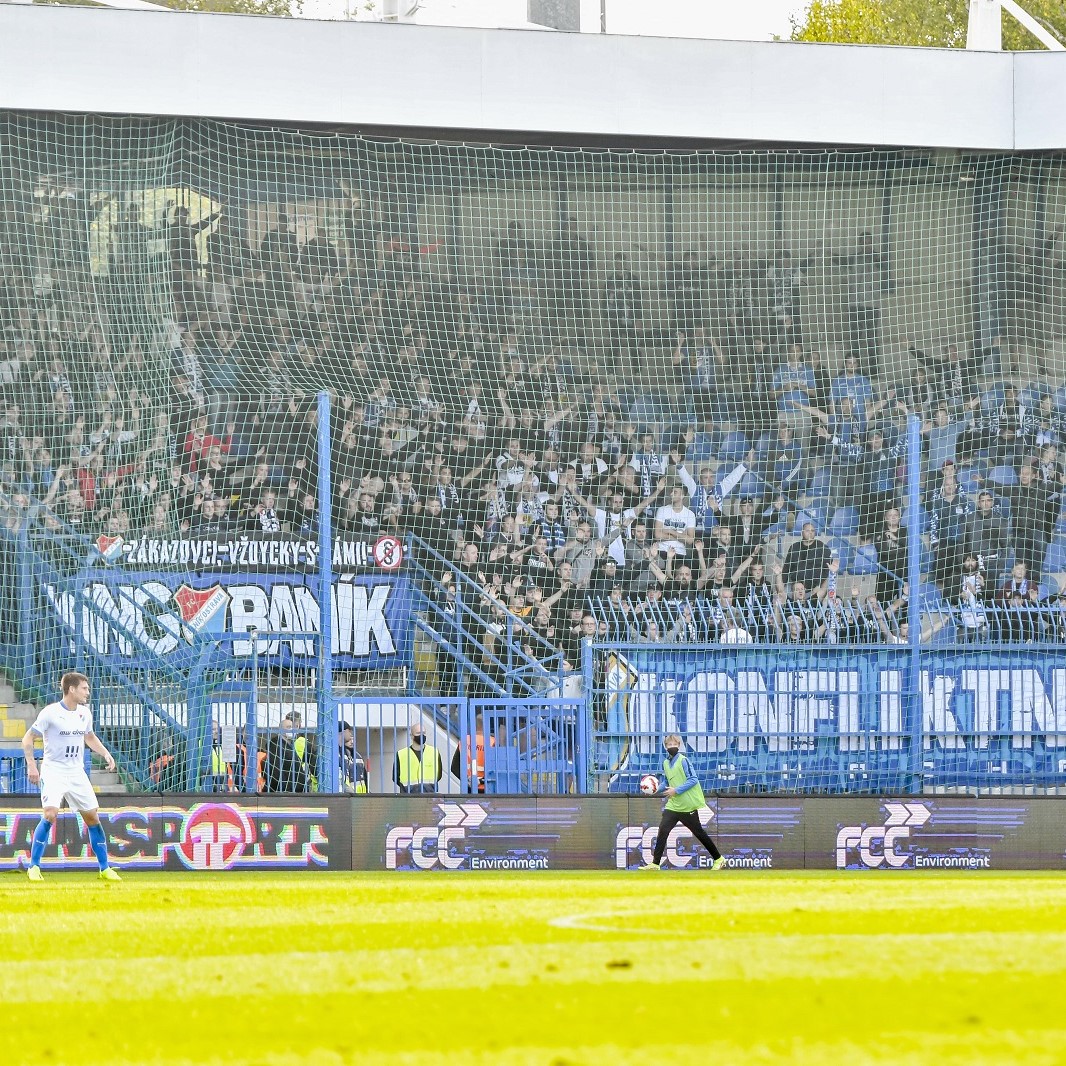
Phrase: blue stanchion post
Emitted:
{"points": [[466, 746], [583, 723], [198, 736], [913, 703], [27, 615], [251, 722], [410, 659], [328, 751], [460, 672]]}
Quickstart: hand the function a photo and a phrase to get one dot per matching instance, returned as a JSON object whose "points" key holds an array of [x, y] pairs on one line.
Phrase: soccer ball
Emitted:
{"points": [[649, 784]]}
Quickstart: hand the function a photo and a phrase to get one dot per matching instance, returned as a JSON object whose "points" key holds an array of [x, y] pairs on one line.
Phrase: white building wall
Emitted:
{"points": [[172, 63]]}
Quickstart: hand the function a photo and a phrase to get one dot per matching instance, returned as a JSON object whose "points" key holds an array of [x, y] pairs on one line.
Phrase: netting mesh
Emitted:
{"points": [[670, 386]]}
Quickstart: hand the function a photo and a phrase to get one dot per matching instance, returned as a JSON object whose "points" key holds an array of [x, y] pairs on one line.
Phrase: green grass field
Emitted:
{"points": [[546, 968]]}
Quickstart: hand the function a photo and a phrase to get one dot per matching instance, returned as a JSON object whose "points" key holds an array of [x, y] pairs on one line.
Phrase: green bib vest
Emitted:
{"points": [[415, 770], [299, 745], [693, 799]]}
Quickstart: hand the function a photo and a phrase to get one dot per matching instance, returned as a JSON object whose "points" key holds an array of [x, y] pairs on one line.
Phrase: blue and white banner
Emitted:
{"points": [[119, 613], [247, 553], [839, 720]]}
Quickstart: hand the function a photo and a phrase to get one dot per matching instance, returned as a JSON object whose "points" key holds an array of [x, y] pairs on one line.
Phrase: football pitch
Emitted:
{"points": [[544, 968]]}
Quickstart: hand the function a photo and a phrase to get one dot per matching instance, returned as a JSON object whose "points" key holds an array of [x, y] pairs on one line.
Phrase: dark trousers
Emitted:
{"points": [[691, 821]]}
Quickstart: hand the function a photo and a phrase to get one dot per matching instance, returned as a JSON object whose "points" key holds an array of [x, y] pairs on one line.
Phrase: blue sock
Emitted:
{"points": [[40, 839], [99, 844]]}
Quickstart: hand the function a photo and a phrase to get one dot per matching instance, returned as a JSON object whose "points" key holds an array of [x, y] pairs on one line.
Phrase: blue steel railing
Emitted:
{"points": [[458, 616]]}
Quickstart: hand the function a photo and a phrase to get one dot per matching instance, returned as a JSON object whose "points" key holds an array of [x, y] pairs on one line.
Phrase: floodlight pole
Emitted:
{"points": [[984, 30]]}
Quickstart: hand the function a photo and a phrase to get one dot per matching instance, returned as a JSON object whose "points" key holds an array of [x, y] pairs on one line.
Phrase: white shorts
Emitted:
{"points": [[73, 786]]}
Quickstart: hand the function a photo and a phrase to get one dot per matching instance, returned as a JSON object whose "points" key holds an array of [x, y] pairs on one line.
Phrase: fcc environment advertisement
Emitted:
{"points": [[935, 833], [483, 833]]}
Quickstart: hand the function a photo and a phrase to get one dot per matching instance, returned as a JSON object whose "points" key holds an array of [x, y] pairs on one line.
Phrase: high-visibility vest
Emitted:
{"points": [[416, 769], [479, 761], [300, 747], [690, 800], [221, 768]]}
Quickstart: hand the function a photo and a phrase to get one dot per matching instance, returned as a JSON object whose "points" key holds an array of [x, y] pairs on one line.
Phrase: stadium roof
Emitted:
{"points": [[514, 85]]}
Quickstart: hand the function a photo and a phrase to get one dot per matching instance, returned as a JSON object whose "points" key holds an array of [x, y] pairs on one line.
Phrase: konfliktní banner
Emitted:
{"points": [[252, 553], [838, 719], [190, 833], [159, 611], [480, 833]]}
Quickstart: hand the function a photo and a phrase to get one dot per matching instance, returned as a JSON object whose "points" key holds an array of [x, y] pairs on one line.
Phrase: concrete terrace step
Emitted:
{"points": [[106, 782], [14, 719]]}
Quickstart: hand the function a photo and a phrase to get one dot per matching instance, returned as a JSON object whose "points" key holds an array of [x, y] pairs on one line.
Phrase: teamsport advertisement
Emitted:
{"points": [[175, 832]]}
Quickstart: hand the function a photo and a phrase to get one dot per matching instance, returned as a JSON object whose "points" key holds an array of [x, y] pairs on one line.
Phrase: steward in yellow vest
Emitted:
{"points": [[418, 767], [307, 753], [221, 771]]}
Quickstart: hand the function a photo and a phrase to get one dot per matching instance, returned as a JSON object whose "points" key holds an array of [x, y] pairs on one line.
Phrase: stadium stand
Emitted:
{"points": [[669, 390]]}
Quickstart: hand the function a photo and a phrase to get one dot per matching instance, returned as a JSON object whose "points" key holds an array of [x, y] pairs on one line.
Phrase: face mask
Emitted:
{"points": [[417, 740], [672, 751]]}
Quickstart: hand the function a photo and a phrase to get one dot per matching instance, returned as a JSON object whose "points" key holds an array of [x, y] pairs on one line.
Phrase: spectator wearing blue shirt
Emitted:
{"points": [[784, 462], [943, 435], [853, 386], [792, 388]]}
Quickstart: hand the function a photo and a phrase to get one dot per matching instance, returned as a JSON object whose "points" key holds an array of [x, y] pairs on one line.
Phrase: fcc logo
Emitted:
{"points": [[428, 847], [877, 846]]}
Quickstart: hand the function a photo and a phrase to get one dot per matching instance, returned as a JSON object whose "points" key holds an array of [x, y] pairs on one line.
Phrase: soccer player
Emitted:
{"points": [[67, 726], [685, 800]]}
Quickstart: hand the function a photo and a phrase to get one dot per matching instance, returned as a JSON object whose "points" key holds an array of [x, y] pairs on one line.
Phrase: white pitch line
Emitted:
{"points": [[589, 922]]}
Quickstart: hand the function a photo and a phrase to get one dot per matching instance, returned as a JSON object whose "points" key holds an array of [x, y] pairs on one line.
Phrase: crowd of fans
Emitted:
{"points": [[574, 452]]}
